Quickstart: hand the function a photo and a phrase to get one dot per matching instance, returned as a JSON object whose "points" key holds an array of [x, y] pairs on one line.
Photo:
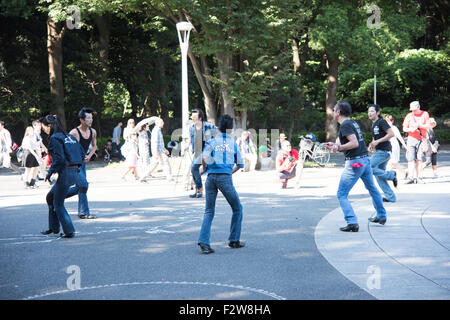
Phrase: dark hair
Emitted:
{"points": [[200, 113], [377, 109], [143, 127], [83, 111], [2, 122], [53, 122], [225, 123], [344, 107]]}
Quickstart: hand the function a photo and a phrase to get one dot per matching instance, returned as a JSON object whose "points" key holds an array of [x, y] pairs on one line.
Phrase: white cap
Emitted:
{"points": [[414, 105]]}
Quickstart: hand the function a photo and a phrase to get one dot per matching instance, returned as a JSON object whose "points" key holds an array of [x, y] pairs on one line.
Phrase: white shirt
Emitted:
{"points": [[5, 140]]}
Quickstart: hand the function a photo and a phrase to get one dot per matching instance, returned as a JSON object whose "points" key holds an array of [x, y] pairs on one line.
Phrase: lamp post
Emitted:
{"points": [[184, 29]]}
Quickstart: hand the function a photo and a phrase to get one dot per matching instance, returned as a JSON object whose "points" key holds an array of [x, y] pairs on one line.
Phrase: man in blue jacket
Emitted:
{"points": [[221, 158], [200, 132]]}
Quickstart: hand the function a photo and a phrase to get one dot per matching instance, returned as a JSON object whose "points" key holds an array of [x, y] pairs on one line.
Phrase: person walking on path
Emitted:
{"points": [[221, 158], [143, 149], [248, 151], [395, 155], [159, 152], [433, 149], [31, 158], [199, 132], [5, 149], [416, 124], [129, 129], [381, 135], [39, 147], [67, 158], [131, 157], [87, 136], [357, 166]]}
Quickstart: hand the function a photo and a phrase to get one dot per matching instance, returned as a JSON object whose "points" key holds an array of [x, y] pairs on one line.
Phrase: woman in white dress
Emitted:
{"points": [[144, 149], [395, 156], [129, 129]]}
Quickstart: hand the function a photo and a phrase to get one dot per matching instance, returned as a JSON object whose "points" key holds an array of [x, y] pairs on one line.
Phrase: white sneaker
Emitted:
{"points": [[435, 175]]}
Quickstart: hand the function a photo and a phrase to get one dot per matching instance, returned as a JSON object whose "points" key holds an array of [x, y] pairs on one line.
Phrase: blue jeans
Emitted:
{"points": [[348, 179], [224, 183], [55, 199], [81, 188], [378, 162], [195, 170]]}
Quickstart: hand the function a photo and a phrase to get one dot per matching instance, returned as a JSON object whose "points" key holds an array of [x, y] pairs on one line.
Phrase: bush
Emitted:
{"points": [[442, 135]]}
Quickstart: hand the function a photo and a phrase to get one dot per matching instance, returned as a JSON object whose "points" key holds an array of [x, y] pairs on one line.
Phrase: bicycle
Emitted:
{"points": [[313, 150]]}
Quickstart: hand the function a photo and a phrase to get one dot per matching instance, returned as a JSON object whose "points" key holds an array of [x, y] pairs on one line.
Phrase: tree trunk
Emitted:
{"points": [[55, 33], [102, 45], [330, 102], [225, 64], [210, 103], [244, 120], [163, 87], [295, 56], [202, 70]]}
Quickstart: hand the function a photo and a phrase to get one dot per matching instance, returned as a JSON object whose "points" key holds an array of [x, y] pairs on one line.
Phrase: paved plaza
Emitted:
{"points": [[144, 243]]}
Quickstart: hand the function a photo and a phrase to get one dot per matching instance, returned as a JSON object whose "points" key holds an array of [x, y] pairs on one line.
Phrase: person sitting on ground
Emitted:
{"points": [[107, 151], [286, 165]]}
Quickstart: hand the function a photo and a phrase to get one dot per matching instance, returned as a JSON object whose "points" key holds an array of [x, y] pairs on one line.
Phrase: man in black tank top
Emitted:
{"points": [[357, 166], [87, 137]]}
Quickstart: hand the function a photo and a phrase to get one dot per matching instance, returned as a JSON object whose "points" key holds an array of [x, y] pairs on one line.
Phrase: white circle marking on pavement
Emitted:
{"points": [[259, 291]]}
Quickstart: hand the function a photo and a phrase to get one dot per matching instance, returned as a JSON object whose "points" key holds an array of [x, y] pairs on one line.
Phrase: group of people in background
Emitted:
{"points": [[144, 151]]}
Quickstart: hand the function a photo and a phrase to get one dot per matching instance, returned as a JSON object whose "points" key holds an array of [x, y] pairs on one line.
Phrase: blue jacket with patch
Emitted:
{"points": [[65, 150], [221, 154]]}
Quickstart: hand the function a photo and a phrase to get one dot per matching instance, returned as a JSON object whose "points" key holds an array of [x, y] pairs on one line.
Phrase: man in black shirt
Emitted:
{"points": [[87, 136], [357, 165], [381, 146]]}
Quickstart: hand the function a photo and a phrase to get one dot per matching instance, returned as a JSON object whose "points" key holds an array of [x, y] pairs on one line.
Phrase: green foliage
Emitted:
{"points": [[142, 72], [442, 135]]}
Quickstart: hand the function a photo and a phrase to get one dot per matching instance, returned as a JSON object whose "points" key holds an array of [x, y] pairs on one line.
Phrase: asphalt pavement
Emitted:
{"points": [[144, 243]]}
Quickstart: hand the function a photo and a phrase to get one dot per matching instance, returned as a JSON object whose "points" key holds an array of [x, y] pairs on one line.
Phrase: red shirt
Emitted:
{"points": [[283, 155], [422, 118]]}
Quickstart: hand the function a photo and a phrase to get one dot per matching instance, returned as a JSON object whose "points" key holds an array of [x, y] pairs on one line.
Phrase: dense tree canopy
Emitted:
{"points": [[271, 64]]}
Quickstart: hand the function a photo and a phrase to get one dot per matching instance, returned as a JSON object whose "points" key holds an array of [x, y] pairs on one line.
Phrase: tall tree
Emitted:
{"points": [[344, 31]]}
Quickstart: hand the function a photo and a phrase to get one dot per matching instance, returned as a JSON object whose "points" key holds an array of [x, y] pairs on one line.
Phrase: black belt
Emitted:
{"points": [[357, 157], [73, 167]]}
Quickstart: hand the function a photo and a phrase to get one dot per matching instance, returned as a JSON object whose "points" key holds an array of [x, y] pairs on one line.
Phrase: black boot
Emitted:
{"points": [[350, 228]]}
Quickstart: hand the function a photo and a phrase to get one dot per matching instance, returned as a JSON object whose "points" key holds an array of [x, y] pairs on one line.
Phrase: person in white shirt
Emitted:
{"points": [[248, 151], [39, 147], [159, 152], [395, 156], [129, 129], [5, 149], [31, 159]]}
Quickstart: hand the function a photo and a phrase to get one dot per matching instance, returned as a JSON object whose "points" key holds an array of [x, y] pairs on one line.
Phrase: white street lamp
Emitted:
{"points": [[184, 29]]}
